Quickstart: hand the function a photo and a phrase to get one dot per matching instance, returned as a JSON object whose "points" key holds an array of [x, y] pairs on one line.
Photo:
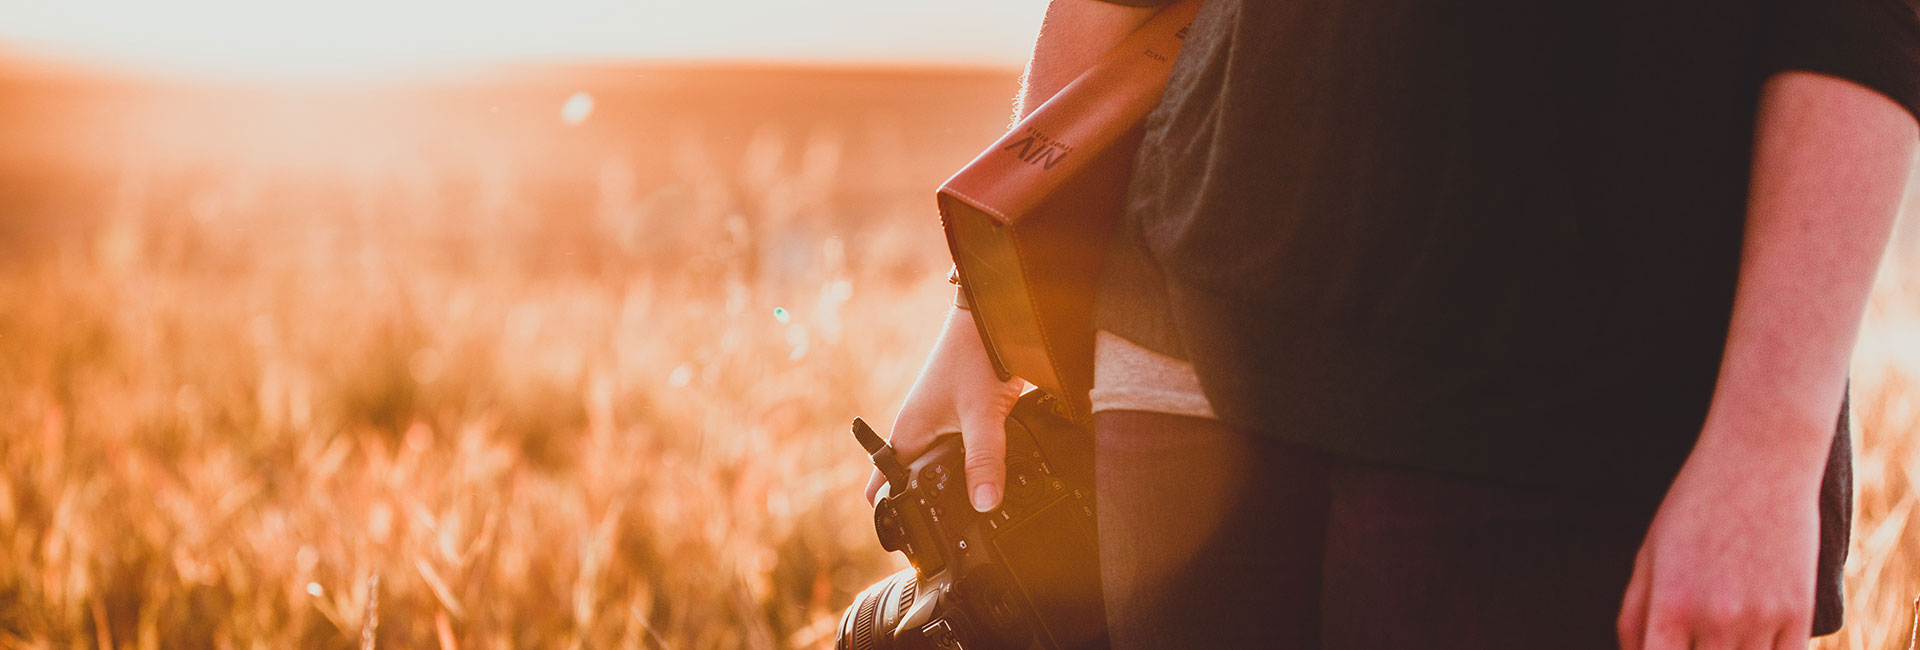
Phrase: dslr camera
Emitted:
{"points": [[1023, 576]]}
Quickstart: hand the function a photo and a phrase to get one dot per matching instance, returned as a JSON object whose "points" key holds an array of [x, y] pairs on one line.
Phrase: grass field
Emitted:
{"points": [[268, 355]]}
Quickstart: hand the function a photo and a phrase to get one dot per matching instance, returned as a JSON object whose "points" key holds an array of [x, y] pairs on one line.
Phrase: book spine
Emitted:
{"points": [[1068, 132]]}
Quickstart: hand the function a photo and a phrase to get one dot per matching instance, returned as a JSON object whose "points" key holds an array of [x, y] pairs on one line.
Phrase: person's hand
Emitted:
{"points": [[1730, 558], [958, 391]]}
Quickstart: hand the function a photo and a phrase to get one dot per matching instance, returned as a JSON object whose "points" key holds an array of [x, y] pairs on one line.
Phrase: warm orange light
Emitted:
{"points": [[369, 37]]}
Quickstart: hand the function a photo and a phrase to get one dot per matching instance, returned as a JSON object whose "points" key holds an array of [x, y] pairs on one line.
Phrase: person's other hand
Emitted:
{"points": [[957, 390], [1730, 558]]}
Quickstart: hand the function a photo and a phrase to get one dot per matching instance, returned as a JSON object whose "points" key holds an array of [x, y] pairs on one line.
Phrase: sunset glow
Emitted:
{"points": [[474, 324], [360, 37]]}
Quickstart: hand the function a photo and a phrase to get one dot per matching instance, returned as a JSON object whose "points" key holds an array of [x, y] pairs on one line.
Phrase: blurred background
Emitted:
{"points": [[548, 318]]}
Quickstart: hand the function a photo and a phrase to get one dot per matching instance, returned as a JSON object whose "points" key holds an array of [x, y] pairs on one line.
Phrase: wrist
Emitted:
{"points": [[1774, 448], [1772, 424]]}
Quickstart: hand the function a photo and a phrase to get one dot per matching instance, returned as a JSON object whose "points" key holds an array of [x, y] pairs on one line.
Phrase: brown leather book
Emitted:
{"points": [[1028, 220]]}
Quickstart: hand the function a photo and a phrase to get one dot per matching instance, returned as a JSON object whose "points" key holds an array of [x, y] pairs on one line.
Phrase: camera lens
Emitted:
{"points": [[868, 623]]}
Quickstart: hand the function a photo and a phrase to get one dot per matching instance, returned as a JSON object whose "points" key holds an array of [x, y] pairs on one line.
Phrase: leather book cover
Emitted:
{"points": [[1028, 220]]}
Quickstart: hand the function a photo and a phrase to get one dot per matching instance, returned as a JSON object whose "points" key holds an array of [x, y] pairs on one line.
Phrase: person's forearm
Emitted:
{"points": [[1072, 36], [1831, 161]]}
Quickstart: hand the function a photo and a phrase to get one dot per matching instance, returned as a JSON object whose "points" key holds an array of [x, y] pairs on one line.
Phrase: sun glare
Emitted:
{"points": [[358, 38], [576, 109]]}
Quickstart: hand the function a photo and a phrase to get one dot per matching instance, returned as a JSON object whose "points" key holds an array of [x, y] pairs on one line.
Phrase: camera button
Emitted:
{"points": [[936, 479], [886, 523], [941, 635], [998, 518], [1023, 484]]}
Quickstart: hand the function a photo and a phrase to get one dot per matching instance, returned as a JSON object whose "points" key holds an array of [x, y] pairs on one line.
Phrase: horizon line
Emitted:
{"points": [[17, 63]]}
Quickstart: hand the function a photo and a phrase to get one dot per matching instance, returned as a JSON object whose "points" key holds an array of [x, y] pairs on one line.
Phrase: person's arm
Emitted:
{"points": [[957, 389], [1729, 560], [1073, 35]]}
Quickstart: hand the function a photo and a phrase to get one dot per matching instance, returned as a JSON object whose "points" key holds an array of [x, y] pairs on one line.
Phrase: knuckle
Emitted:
{"points": [[983, 411], [1661, 634], [1783, 612], [988, 441], [1001, 401], [912, 436], [909, 425], [1666, 612], [1627, 627], [1722, 615], [983, 437], [983, 458], [983, 466]]}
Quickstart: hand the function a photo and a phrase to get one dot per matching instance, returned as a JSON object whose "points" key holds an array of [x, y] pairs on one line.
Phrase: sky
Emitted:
{"points": [[327, 37]]}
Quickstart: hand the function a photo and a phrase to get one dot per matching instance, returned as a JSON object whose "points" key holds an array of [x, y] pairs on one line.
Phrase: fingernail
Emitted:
{"points": [[985, 497]]}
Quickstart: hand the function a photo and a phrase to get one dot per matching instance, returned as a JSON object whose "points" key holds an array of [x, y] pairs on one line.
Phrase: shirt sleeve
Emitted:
{"points": [[1874, 43]]}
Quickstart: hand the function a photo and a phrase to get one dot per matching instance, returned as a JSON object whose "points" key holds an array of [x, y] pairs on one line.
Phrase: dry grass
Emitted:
{"points": [[523, 395], [607, 412], [1883, 570]]}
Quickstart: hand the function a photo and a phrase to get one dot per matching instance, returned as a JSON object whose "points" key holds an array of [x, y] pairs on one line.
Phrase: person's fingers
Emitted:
{"points": [[873, 485], [913, 433], [985, 439], [1736, 626], [1664, 636], [1632, 624], [1792, 630], [1757, 637], [1668, 626], [917, 428], [1718, 627], [1792, 637], [1726, 635], [1798, 628]]}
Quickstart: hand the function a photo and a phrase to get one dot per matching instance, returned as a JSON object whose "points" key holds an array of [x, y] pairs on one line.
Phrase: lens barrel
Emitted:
{"points": [[868, 623]]}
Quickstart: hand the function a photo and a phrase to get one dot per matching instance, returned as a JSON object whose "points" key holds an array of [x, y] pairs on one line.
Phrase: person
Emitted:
{"points": [[1484, 325]]}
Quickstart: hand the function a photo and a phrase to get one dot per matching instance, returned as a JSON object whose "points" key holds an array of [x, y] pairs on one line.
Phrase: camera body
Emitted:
{"points": [[1025, 575]]}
